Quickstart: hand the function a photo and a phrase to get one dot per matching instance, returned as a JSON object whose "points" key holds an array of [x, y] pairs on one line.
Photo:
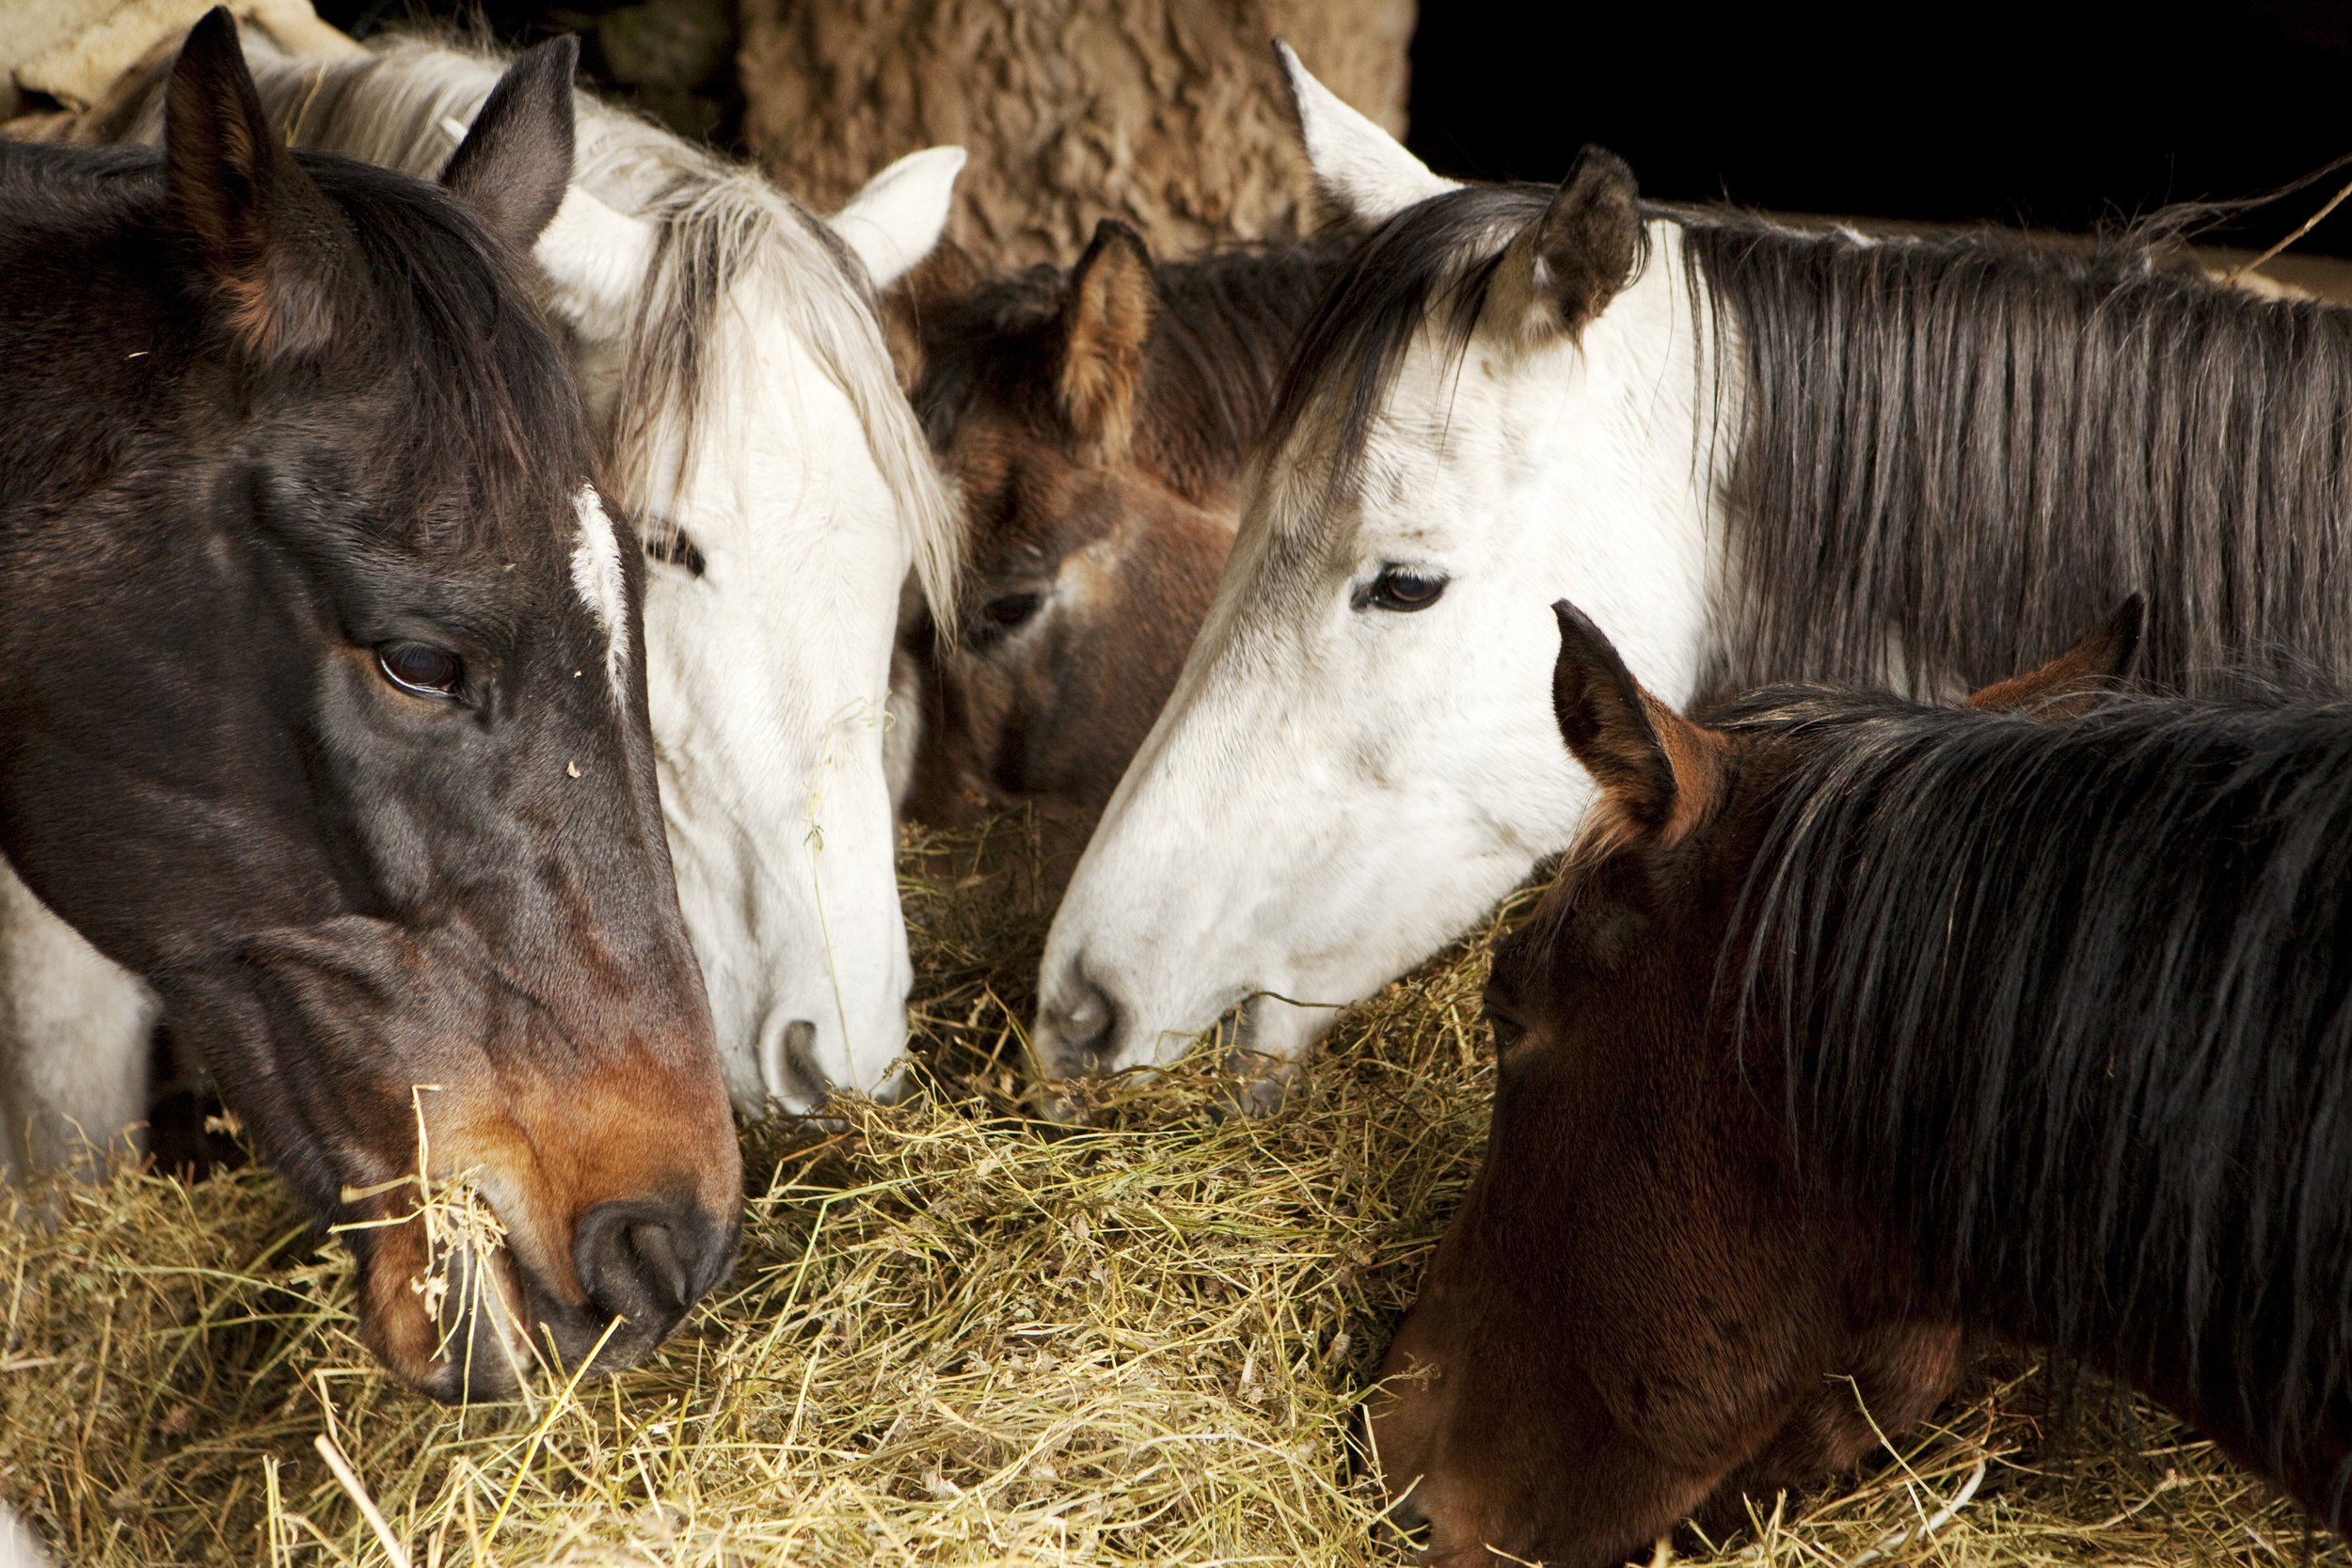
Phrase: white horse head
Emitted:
{"points": [[1499, 406], [728, 347]]}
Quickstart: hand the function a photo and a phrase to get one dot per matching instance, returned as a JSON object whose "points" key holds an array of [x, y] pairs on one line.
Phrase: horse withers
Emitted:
{"points": [[1854, 1028], [1096, 422], [326, 702]]}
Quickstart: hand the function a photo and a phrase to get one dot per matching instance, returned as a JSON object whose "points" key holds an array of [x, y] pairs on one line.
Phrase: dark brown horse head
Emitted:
{"points": [[1096, 423], [1641, 1314], [326, 710]]}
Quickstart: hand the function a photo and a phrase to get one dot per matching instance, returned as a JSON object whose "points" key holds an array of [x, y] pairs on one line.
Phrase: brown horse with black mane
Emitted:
{"points": [[326, 707], [1097, 424], [1853, 1027]]}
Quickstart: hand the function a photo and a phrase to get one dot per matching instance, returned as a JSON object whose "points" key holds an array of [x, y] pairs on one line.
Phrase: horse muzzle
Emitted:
{"points": [[452, 1307]]}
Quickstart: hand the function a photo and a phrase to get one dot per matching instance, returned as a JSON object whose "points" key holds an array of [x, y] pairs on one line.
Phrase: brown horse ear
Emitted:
{"points": [[1610, 723], [2068, 684], [278, 250], [514, 164], [1106, 318], [1589, 240]]}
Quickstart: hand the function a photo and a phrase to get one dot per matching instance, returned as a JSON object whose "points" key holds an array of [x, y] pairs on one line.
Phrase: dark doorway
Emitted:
{"points": [[2049, 114]]}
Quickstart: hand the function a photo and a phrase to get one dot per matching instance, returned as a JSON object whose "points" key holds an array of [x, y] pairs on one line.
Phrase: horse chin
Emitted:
{"points": [[488, 1350], [454, 1327], [1261, 1043], [476, 1324], [1266, 1042]]}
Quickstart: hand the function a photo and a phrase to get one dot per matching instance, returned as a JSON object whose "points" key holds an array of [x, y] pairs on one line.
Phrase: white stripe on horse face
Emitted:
{"points": [[596, 576]]}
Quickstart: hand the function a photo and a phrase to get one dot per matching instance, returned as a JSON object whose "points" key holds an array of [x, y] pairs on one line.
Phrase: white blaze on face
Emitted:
{"points": [[597, 577], [765, 677]]}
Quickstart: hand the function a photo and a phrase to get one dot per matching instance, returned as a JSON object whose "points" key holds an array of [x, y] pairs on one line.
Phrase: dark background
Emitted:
{"points": [[2057, 115]]}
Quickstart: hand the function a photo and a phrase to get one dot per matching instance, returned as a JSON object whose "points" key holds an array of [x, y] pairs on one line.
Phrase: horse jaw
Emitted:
{"points": [[767, 674], [1331, 794], [896, 217], [1360, 170]]}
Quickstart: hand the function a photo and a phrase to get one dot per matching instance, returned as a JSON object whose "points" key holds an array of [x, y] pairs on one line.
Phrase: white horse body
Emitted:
{"points": [[727, 347], [1334, 791]]}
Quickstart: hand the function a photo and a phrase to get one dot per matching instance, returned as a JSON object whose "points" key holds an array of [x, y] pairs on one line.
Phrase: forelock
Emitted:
{"points": [[1430, 264]]}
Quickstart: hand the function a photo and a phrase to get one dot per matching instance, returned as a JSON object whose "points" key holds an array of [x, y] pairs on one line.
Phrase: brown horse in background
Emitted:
{"points": [[1096, 423], [1854, 1027]]}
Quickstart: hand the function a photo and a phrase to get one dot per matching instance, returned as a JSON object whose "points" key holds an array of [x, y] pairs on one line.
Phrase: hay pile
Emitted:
{"points": [[955, 1337]]}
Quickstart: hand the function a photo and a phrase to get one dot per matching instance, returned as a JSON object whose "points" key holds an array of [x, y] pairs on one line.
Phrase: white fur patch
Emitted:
{"points": [[597, 577]]}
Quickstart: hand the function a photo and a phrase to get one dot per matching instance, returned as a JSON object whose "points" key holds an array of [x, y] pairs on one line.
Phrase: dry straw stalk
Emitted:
{"points": [[956, 1336]]}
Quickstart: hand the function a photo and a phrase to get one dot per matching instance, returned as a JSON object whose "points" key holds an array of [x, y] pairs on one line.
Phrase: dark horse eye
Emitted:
{"points": [[420, 667], [1011, 609], [1400, 588]]}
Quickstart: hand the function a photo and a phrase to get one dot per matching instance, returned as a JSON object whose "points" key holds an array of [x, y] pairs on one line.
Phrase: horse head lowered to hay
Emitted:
{"points": [[1097, 422], [325, 704], [1761, 453], [1851, 1026], [727, 345]]}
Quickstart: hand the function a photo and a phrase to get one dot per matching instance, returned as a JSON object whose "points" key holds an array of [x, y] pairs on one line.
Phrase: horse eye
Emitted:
{"points": [[671, 545], [1399, 589], [421, 668], [1508, 1030], [1012, 610]]}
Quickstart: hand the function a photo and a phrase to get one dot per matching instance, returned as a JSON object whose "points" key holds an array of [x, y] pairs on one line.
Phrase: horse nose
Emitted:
{"points": [[1081, 1032], [649, 1261]]}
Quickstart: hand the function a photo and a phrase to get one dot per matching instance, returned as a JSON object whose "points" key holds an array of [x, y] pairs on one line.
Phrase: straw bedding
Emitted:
{"points": [[956, 1336]]}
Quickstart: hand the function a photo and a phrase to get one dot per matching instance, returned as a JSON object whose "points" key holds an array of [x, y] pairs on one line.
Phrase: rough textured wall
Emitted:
{"points": [[1167, 113]]}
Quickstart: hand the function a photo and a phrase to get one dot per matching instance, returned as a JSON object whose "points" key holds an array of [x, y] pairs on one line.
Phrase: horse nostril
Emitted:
{"points": [[1087, 1030], [658, 1262], [788, 1065], [1404, 1525], [648, 1261]]}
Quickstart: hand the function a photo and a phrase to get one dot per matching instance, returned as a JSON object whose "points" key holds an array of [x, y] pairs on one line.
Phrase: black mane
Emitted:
{"points": [[1956, 450], [1220, 335], [1968, 447], [2071, 1001]]}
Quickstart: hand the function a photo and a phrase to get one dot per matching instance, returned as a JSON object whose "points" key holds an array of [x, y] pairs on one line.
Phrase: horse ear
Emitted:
{"points": [[1362, 171], [596, 258], [1610, 723], [514, 164], [2071, 683], [896, 217], [1108, 318], [1590, 240], [275, 246]]}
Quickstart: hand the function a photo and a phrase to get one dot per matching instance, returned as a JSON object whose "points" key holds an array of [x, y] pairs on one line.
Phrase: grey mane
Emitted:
{"points": [[1952, 452], [1972, 446]]}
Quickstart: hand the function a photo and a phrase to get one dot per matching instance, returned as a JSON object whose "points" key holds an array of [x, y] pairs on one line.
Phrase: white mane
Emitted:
{"points": [[718, 227]]}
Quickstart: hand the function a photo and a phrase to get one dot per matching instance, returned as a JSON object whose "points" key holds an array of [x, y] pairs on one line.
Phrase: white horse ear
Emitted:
{"points": [[1361, 169], [895, 219], [597, 257], [595, 254]]}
